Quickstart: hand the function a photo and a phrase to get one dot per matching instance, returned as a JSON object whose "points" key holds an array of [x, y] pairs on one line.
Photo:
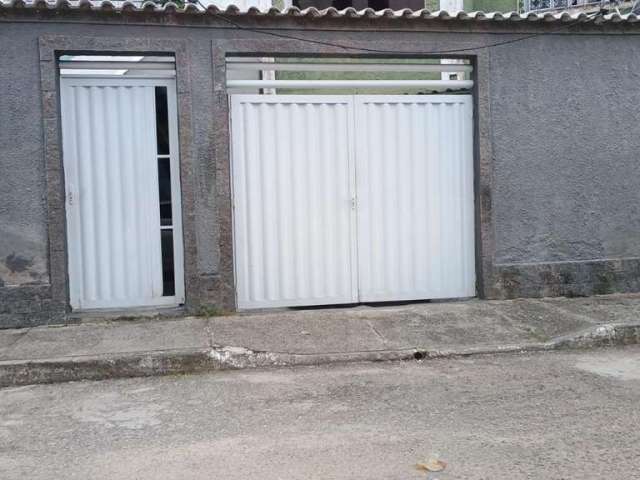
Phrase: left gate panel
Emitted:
{"points": [[293, 187], [112, 204]]}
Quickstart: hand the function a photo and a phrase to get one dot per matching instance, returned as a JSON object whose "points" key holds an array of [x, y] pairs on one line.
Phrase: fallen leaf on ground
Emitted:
{"points": [[432, 465]]}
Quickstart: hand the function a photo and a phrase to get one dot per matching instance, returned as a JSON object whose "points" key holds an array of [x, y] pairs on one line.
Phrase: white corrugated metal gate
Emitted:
{"points": [[414, 165], [123, 195], [350, 198], [294, 225]]}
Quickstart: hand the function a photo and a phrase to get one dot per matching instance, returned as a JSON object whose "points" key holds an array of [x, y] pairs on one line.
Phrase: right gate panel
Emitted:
{"points": [[414, 164]]}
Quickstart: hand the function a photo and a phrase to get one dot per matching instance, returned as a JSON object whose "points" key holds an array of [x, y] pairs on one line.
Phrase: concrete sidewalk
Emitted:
{"points": [[156, 346]]}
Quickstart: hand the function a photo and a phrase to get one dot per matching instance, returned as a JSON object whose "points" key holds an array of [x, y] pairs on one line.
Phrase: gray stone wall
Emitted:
{"points": [[559, 187], [23, 237], [565, 142], [566, 165]]}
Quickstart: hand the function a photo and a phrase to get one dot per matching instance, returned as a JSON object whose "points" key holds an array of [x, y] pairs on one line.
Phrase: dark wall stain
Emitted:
{"points": [[604, 283], [17, 263], [509, 282], [566, 278]]}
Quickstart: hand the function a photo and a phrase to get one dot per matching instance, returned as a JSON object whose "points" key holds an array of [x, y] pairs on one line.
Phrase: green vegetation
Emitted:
{"points": [[491, 5]]}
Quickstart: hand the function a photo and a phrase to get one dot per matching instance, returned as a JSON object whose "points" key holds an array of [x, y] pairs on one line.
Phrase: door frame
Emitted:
{"points": [[482, 149], [51, 47]]}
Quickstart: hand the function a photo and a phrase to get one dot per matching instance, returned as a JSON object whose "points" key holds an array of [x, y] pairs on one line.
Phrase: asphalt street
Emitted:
{"points": [[572, 415]]}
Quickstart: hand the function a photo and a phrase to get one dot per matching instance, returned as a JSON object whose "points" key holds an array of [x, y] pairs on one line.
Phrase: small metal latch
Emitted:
{"points": [[354, 202]]}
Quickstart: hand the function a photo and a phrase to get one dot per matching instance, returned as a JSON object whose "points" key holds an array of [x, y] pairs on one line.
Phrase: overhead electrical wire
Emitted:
{"points": [[269, 31], [286, 36]]}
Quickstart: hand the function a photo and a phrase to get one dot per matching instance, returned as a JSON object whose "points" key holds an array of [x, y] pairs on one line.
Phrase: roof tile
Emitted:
{"points": [[311, 12]]}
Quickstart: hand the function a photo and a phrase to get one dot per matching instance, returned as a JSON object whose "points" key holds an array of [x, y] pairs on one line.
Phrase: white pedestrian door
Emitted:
{"points": [[345, 199], [124, 230]]}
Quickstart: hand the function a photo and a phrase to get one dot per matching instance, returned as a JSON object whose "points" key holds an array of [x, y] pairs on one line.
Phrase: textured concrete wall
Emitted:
{"points": [[565, 142], [566, 199], [23, 239], [564, 186], [24, 280]]}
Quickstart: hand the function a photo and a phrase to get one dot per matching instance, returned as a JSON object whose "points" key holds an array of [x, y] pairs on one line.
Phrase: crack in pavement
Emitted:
{"points": [[208, 328], [19, 336], [553, 306], [375, 330]]}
